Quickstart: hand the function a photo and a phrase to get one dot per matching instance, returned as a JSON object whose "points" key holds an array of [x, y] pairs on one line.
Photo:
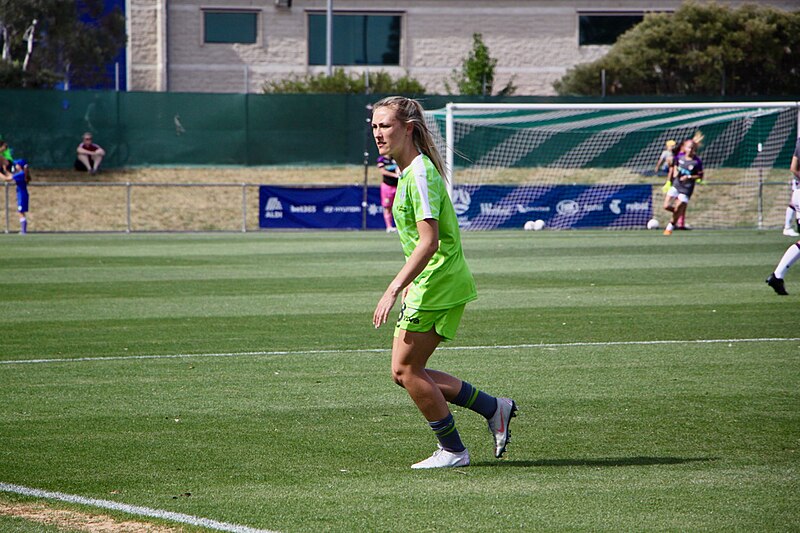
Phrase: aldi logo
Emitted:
{"points": [[274, 208]]}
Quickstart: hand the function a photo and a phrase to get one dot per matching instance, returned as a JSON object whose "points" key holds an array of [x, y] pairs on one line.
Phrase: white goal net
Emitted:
{"points": [[594, 165]]}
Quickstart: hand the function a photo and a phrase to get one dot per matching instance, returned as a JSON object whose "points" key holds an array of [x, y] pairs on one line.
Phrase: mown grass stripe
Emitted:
{"points": [[380, 350]]}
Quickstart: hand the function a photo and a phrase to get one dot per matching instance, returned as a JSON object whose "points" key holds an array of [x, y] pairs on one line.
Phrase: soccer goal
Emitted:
{"points": [[594, 165]]}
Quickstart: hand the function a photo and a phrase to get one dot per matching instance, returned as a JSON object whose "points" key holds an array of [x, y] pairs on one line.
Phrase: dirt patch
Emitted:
{"points": [[80, 521]]}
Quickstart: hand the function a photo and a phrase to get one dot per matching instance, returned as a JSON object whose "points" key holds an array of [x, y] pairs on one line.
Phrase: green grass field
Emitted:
{"points": [[237, 378]]}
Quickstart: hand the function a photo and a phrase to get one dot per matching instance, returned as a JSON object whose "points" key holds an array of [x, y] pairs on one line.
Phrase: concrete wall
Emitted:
{"points": [[534, 41]]}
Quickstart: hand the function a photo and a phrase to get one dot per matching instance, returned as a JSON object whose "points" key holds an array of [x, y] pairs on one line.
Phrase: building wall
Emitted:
{"points": [[534, 41]]}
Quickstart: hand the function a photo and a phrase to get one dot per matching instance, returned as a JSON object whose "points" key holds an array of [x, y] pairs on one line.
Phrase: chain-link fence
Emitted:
{"points": [[233, 207]]}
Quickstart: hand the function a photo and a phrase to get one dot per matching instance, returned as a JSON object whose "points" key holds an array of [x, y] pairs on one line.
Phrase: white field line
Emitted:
{"points": [[386, 350], [131, 509]]}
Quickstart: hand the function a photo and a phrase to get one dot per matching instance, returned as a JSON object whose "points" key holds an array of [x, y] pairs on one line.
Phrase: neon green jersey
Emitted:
{"points": [[446, 281]]}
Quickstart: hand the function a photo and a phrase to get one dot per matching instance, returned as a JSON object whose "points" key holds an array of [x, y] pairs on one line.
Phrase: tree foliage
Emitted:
{"points": [[476, 76], [700, 49], [73, 41], [343, 83]]}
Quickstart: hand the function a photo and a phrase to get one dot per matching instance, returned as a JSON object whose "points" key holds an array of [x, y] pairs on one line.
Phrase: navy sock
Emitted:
{"points": [[476, 400], [446, 432]]}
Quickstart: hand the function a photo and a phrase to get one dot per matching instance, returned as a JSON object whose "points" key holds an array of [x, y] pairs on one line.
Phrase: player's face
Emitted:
{"points": [[689, 148], [390, 134]]}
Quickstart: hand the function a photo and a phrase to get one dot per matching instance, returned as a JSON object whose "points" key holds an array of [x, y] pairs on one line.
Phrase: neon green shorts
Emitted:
{"points": [[444, 321]]}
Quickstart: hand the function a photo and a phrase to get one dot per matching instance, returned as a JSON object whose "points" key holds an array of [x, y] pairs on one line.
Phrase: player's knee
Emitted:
{"points": [[398, 375]]}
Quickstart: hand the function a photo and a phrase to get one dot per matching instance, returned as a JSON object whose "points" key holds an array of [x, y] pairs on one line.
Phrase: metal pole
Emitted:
{"points": [[128, 205], [8, 222], [116, 76], [244, 208], [603, 83], [449, 144], [364, 203], [760, 192], [329, 40]]}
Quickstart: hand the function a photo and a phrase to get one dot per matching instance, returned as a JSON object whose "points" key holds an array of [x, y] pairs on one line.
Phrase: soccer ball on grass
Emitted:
{"points": [[532, 225]]}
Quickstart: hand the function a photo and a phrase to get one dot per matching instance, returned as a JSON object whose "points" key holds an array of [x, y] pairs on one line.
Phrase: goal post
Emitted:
{"points": [[594, 165]]}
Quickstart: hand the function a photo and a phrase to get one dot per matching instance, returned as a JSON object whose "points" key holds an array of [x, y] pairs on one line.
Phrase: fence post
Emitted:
{"points": [[367, 137], [760, 192], [128, 205], [244, 208]]}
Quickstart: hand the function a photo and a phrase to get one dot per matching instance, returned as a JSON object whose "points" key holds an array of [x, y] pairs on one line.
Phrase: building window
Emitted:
{"points": [[230, 27], [605, 28], [358, 39]]}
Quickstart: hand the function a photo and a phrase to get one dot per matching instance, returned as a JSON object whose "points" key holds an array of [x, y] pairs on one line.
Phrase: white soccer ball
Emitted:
{"points": [[538, 225], [528, 226], [652, 223]]}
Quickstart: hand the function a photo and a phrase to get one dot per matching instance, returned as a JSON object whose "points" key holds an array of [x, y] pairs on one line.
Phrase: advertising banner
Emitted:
{"points": [[319, 208], [478, 207], [559, 206]]}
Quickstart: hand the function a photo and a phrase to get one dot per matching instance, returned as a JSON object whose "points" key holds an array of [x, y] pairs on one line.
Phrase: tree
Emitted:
{"points": [[700, 49], [72, 41], [477, 72], [341, 82]]}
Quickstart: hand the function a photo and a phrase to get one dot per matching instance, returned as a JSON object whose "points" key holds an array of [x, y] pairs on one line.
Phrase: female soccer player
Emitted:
{"points": [[435, 284], [20, 176], [794, 183], [790, 256], [687, 170]]}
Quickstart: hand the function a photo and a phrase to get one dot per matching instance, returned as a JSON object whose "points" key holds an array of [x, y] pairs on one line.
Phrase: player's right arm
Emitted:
{"points": [[427, 246]]}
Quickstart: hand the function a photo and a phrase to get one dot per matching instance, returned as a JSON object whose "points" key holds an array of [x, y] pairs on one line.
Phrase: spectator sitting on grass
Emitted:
{"points": [[90, 155]]}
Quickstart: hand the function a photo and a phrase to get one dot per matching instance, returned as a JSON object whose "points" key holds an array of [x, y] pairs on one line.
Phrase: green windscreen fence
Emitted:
{"points": [[138, 128], [152, 128]]}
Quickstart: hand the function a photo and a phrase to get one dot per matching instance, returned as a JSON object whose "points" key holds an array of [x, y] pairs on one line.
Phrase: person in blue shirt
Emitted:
{"points": [[20, 175]]}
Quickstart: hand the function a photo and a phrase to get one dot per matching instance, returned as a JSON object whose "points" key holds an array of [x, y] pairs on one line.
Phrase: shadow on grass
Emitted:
{"points": [[601, 462]]}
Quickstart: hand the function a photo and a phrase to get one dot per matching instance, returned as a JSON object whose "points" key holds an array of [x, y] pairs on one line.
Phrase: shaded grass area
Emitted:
{"points": [[623, 432]]}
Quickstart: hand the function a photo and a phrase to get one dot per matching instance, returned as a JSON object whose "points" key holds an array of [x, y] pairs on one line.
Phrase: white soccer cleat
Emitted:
{"points": [[441, 458], [790, 232], [498, 424]]}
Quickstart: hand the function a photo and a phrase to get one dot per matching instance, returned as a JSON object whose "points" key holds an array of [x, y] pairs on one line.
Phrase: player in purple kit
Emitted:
{"points": [[20, 176], [389, 176], [687, 170]]}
